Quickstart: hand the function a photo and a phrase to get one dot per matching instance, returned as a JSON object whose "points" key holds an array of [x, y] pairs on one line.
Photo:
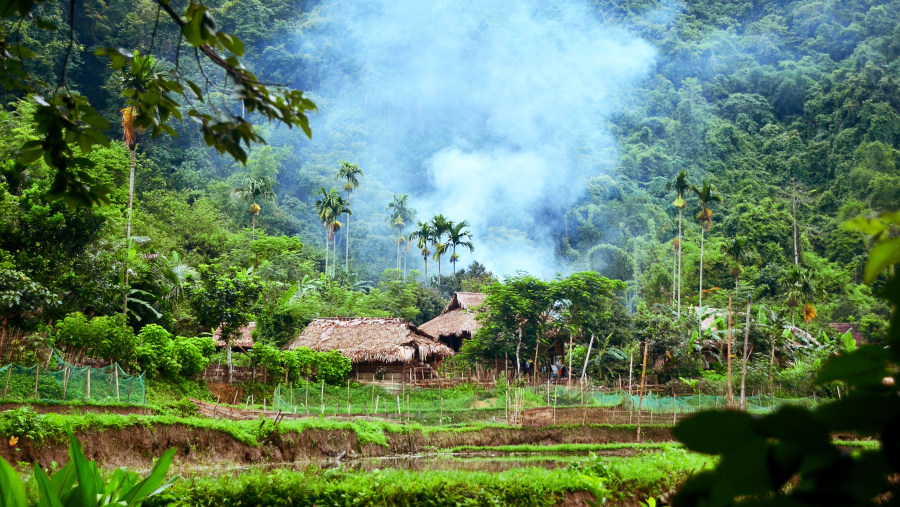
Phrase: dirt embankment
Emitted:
{"points": [[137, 446]]}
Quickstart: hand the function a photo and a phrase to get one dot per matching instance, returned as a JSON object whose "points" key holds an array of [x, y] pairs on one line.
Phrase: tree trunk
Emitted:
{"points": [[327, 241], [347, 239], [253, 222], [228, 354], [518, 362], [453, 261], [680, 249], [744, 357], [702, 234], [426, 270], [571, 344], [794, 215], [675, 276], [728, 351], [405, 258], [772, 367], [128, 232], [587, 356], [399, 235]]}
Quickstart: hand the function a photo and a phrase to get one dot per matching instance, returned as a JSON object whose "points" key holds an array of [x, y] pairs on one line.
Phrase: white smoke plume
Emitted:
{"points": [[491, 111]]}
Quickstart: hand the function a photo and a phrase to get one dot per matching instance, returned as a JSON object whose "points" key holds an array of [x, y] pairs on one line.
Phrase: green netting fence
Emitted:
{"points": [[467, 403], [59, 381]]}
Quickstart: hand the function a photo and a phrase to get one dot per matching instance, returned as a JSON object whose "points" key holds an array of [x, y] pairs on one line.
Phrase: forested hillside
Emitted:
{"points": [[789, 110]]}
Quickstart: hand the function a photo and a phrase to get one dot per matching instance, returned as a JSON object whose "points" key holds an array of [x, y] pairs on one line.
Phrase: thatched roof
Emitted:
{"points": [[458, 316], [368, 339], [465, 301], [243, 341]]}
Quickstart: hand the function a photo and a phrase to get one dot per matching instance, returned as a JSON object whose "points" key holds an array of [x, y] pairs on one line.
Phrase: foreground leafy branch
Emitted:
{"points": [[788, 457], [69, 127]]}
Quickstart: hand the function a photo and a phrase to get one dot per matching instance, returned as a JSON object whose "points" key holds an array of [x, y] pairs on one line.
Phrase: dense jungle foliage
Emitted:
{"points": [[783, 117]]}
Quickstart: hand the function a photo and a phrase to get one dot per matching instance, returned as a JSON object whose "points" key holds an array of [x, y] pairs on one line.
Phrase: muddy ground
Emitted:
{"points": [[136, 446]]}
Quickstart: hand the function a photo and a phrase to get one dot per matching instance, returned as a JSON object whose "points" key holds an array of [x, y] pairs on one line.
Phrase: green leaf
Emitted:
{"points": [[864, 366], [85, 495], [716, 432], [12, 494], [153, 483], [48, 494], [231, 43], [882, 255]]}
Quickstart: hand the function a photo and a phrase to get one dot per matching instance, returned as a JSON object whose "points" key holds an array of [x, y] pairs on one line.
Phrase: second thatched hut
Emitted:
{"points": [[378, 348], [457, 322]]}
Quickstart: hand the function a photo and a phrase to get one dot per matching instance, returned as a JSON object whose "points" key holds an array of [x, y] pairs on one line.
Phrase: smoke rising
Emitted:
{"points": [[493, 112]]}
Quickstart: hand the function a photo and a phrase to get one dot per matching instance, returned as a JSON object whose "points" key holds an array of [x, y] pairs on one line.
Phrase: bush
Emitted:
{"points": [[23, 422], [193, 354], [106, 337], [330, 367], [156, 354]]}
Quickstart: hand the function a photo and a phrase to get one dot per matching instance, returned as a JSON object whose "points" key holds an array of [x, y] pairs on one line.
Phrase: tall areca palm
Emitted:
{"points": [[706, 196], [424, 235], [341, 207], [740, 253], [458, 236], [400, 215], [441, 226], [255, 189], [130, 135], [681, 186], [351, 173], [325, 208]]}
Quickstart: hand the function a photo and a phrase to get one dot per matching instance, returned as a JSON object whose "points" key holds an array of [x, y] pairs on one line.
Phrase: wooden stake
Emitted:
{"points": [[87, 384], [116, 377], [66, 381]]}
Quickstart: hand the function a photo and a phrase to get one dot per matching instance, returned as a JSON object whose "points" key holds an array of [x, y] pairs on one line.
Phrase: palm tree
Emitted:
{"points": [[681, 186], [400, 215], [325, 208], [458, 236], [130, 134], [706, 197], [441, 226], [739, 252], [424, 234], [255, 189], [351, 173], [341, 207]]}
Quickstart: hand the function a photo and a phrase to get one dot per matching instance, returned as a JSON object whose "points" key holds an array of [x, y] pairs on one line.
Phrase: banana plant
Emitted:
{"points": [[80, 484]]}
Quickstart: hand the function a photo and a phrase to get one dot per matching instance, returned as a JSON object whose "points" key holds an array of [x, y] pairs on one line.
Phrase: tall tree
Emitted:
{"points": [[680, 185], [516, 310], [706, 195], [351, 173], [586, 303], [739, 252], [424, 236], [224, 300], [441, 226], [130, 135], [255, 189], [400, 215], [326, 208], [457, 235]]}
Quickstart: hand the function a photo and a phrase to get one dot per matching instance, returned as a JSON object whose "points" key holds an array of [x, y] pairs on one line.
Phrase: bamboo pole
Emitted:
{"points": [[116, 378], [745, 356], [728, 337], [37, 371], [641, 394], [66, 381]]}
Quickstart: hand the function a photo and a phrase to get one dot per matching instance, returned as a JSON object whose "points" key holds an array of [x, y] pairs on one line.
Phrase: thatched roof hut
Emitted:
{"points": [[457, 321], [242, 342], [369, 339]]}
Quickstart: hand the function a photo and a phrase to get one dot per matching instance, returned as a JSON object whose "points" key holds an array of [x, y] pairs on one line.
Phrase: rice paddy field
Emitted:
{"points": [[462, 446]]}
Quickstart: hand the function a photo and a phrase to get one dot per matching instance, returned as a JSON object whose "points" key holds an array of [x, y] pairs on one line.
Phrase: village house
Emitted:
{"points": [[380, 349]]}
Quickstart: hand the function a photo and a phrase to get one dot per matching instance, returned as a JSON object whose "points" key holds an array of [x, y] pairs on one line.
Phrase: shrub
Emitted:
{"points": [[156, 354], [193, 354]]}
